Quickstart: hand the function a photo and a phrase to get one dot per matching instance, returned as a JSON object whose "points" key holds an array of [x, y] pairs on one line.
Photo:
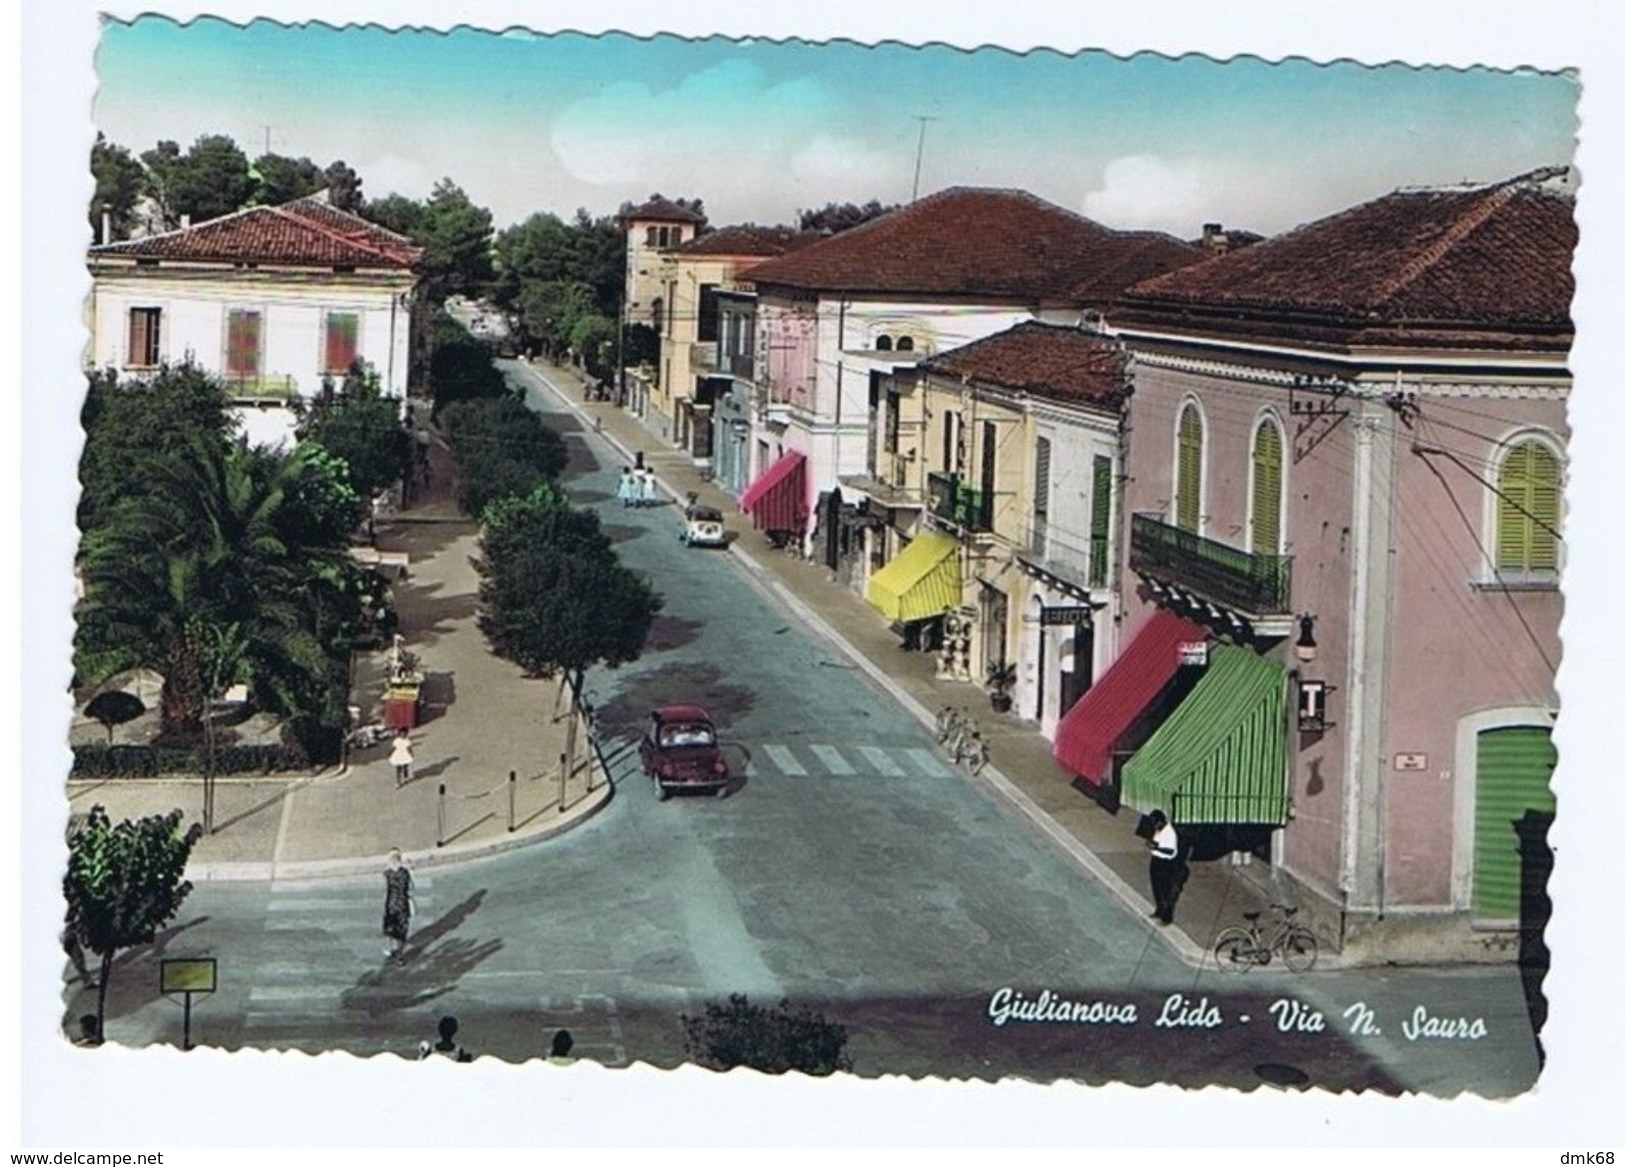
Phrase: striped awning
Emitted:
{"points": [[1221, 756], [1087, 733], [777, 500], [921, 582]]}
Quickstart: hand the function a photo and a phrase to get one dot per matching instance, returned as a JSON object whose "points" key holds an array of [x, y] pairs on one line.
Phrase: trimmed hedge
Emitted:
{"points": [[137, 761]]}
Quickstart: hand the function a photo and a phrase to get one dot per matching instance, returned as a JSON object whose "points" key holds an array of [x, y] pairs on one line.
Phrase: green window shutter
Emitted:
{"points": [[1527, 508], [1100, 521], [1188, 498], [1543, 504], [1267, 489], [1513, 784]]}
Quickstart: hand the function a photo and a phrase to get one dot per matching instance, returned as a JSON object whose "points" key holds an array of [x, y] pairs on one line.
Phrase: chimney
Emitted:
{"points": [[186, 221], [107, 227]]}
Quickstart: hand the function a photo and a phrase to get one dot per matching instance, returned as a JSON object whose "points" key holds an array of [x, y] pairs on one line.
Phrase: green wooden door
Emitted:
{"points": [[1514, 780], [1188, 488], [1267, 490]]}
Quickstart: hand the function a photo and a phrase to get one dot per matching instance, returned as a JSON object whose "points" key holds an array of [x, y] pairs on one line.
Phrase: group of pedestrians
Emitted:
{"points": [[637, 487]]}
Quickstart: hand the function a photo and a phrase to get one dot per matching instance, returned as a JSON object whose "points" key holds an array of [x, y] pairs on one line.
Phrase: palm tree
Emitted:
{"points": [[224, 537]]}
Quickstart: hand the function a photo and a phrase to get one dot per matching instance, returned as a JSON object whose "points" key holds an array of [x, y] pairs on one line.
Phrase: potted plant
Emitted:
{"points": [[1001, 678]]}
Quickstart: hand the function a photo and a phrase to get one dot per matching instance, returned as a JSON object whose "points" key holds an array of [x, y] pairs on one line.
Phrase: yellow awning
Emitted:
{"points": [[923, 581]]}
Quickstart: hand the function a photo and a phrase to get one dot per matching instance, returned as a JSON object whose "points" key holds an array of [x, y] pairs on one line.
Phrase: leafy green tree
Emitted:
{"points": [[396, 213], [640, 345], [123, 884], [360, 424], [460, 367], [502, 449], [211, 179], [549, 309], [343, 187], [774, 1041], [283, 179], [593, 339], [134, 426], [456, 238], [838, 217], [554, 597], [120, 181], [224, 535]]}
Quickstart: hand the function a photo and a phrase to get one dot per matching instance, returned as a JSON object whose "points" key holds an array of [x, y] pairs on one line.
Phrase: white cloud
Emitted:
{"points": [[1143, 191], [725, 133]]}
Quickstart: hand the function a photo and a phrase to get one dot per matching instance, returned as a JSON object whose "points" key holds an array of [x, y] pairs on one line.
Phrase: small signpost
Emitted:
{"points": [[1193, 653], [187, 975], [1312, 706], [1063, 614]]}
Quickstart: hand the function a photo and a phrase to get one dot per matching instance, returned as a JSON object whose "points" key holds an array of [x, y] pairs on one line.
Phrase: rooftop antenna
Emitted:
{"points": [[919, 152]]}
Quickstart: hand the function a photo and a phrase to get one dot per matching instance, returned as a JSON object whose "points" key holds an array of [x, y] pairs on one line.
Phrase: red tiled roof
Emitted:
{"points": [[749, 239], [303, 233], [1488, 265], [663, 210], [975, 241], [1046, 360]]}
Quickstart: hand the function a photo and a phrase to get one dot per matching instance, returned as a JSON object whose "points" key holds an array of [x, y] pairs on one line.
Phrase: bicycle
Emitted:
{"points": [[1239, 949], [949, 720], [972, 753]]}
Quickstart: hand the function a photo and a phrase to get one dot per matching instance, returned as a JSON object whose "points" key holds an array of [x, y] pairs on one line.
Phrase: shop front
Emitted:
{"points": [[918, 588], [777, 500]]}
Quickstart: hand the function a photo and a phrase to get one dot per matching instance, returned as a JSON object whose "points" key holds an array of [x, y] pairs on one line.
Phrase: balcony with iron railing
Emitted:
{"points": [[1255, 585], [739, 365], [702, 356], [1084, 560], [260, 387], [952, 501]]}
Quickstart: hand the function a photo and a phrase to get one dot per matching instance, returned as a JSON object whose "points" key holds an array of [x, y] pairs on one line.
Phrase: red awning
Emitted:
{"points": [[777, 500], [1086, 735]]}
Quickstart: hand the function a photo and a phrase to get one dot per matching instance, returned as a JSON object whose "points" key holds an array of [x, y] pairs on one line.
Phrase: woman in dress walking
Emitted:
{"points": [[397, 905], [400, 756], [627, 491]]}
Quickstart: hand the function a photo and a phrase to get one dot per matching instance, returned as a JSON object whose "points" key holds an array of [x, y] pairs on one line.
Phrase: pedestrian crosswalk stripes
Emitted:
{"points": [[881, 762], [822, 760], [833, 762], [785, 761], [927, 762]]}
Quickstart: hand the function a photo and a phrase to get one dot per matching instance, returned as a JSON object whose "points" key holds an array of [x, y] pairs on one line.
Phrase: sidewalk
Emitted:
{"points": [[1023, 774], [481, 720]]}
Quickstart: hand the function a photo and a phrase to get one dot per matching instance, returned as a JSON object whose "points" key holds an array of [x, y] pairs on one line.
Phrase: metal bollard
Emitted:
{"points": [[564, 762], [440, 832], [511, 779]]}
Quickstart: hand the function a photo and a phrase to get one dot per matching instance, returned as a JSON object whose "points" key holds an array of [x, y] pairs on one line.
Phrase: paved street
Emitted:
{"points": [[852, 871]]}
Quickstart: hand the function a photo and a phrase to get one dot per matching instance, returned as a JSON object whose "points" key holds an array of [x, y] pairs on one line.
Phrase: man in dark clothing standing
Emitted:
{"points": [[1166, 875]]}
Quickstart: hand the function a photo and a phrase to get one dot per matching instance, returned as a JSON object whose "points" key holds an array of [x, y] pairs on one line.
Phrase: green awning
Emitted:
{"points": [[1221, 756], [921, 582]]}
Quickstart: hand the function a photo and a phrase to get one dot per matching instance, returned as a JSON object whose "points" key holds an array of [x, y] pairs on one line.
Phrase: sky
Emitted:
{"points": [[760, 129]]}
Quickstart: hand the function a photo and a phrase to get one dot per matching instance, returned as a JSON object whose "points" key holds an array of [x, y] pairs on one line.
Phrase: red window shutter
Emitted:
{"points": [[342, 328]]}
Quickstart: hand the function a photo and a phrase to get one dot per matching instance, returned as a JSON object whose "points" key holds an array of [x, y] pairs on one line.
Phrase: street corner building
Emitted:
{"points": [[273, 300], [1343, 506]]}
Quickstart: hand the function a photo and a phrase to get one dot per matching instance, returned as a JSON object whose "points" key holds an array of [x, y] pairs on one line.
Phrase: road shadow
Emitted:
{"points": [[669, 632], [439, 695], [698, 682], [434, 963], [133, 983]]}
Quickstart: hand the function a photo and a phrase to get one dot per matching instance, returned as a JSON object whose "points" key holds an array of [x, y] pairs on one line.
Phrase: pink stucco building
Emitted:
{"points": [[1345, 460]]}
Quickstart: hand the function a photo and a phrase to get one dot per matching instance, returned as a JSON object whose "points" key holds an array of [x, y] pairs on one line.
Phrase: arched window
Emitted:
{"points": [[1267, 488], [883, 343], [905, 344], [1527, 505], [1188, 470]]}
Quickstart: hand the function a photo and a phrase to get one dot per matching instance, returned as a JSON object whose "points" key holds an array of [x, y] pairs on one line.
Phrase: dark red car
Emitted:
{"points": [[679, 751]]}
